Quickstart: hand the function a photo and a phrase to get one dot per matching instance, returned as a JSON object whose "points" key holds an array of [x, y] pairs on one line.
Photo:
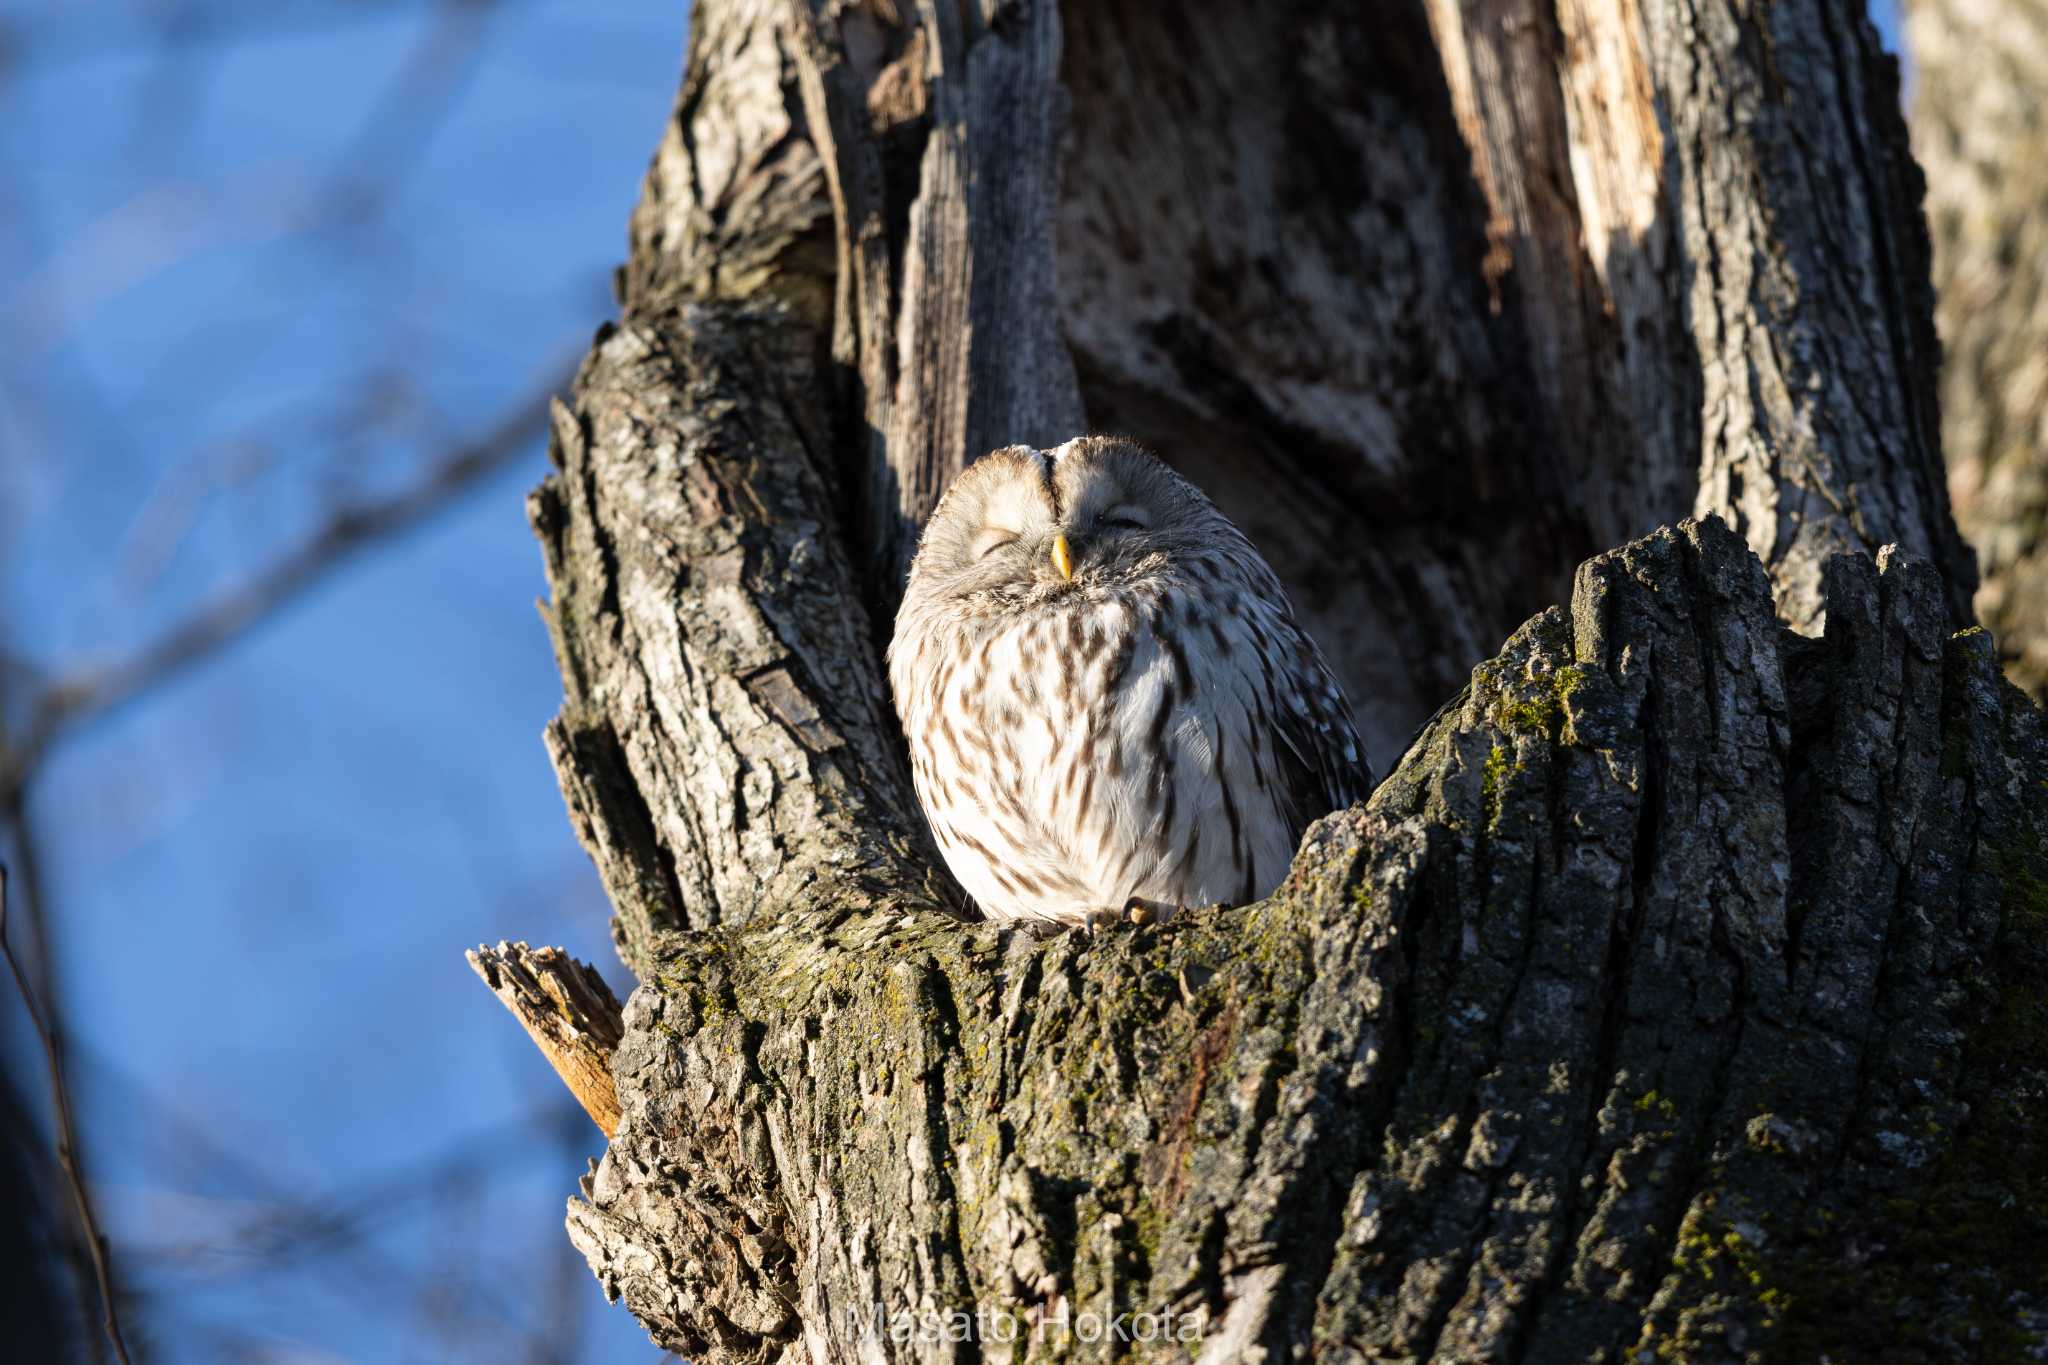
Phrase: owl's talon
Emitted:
{"points": [[1138, 910]]}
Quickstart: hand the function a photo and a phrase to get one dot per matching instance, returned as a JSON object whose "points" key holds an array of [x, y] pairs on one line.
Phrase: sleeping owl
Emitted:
{"points": [[1110, 706]]}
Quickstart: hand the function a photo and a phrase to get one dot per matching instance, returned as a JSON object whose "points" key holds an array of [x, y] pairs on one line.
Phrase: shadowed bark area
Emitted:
{"points": [[1676, 990], [1674, 947], [1437, 299]]}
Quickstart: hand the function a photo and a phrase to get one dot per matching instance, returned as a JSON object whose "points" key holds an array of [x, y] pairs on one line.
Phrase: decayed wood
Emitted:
{"points": [[1981, 73], [1439, 299], [1560, 111], [1430, 304], [1675, 921], [568, 1011]]}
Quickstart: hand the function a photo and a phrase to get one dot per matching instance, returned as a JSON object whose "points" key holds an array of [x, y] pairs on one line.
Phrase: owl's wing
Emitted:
{"points": [[1321, 757]]}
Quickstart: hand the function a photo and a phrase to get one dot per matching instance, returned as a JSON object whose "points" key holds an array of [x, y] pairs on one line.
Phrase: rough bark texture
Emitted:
{"points": [[1799, 211], [1675, 949], [725, 743], [1981, 130], [1676, 989]]}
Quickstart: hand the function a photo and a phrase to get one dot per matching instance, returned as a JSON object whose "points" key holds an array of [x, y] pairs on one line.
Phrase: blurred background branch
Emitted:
{"points": [[346, 528], [1979, 114], [289, 288], [94, 1241]]}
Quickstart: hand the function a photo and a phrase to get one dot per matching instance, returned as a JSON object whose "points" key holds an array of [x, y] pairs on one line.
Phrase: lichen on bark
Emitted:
{"points": [[1620, 1052]]}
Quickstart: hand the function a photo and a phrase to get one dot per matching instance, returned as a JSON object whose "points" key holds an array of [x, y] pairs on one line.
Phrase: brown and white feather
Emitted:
{"points": [[1155, 726]]}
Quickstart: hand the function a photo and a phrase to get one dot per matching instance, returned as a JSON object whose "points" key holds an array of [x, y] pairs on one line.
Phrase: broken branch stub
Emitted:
{"points": [[568, 1011]]}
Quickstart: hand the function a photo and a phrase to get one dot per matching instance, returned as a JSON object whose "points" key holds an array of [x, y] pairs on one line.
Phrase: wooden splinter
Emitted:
{"points": [[568, 1011]]}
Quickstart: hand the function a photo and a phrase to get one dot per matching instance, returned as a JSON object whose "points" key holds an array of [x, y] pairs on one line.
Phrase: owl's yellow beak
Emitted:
{"points": [[1062, 557]]}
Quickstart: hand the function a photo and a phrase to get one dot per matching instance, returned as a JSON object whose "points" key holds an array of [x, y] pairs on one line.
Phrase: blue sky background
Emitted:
{"points": [[255, 258]]}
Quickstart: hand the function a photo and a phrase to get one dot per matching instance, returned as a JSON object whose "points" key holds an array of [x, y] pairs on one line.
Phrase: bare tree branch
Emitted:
{"points": [[416, 98], [67, 1139], [63, 706], [68, 703]]}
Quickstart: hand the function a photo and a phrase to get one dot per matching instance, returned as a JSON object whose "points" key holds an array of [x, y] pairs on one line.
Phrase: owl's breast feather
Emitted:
{"points": [[1078, 755]]}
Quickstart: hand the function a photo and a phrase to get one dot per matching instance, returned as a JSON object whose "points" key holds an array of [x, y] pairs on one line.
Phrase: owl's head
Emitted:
{"points": [[1022, 527]]}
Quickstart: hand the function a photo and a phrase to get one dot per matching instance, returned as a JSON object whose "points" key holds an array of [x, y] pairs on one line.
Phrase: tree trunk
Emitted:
{"points": [[1677, 988], [1980, 129]]}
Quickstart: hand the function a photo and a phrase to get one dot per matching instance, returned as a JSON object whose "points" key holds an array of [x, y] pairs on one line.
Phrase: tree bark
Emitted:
{"points": [[1676, 990], [1671, 951], [1980, 74]]}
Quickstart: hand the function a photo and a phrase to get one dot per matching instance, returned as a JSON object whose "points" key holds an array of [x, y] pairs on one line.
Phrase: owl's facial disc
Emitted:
{"points": [[1097, 515]]}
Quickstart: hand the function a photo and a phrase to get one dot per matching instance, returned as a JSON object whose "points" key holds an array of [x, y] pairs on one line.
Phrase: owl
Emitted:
{"points": [[1110, 706]]}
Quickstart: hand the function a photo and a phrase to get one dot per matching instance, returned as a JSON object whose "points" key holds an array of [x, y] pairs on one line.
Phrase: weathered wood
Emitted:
{"points": [[1273, 272], [1742, 172], [1565, 126], [1468, 291], [940, 132], [568, 1011]]}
